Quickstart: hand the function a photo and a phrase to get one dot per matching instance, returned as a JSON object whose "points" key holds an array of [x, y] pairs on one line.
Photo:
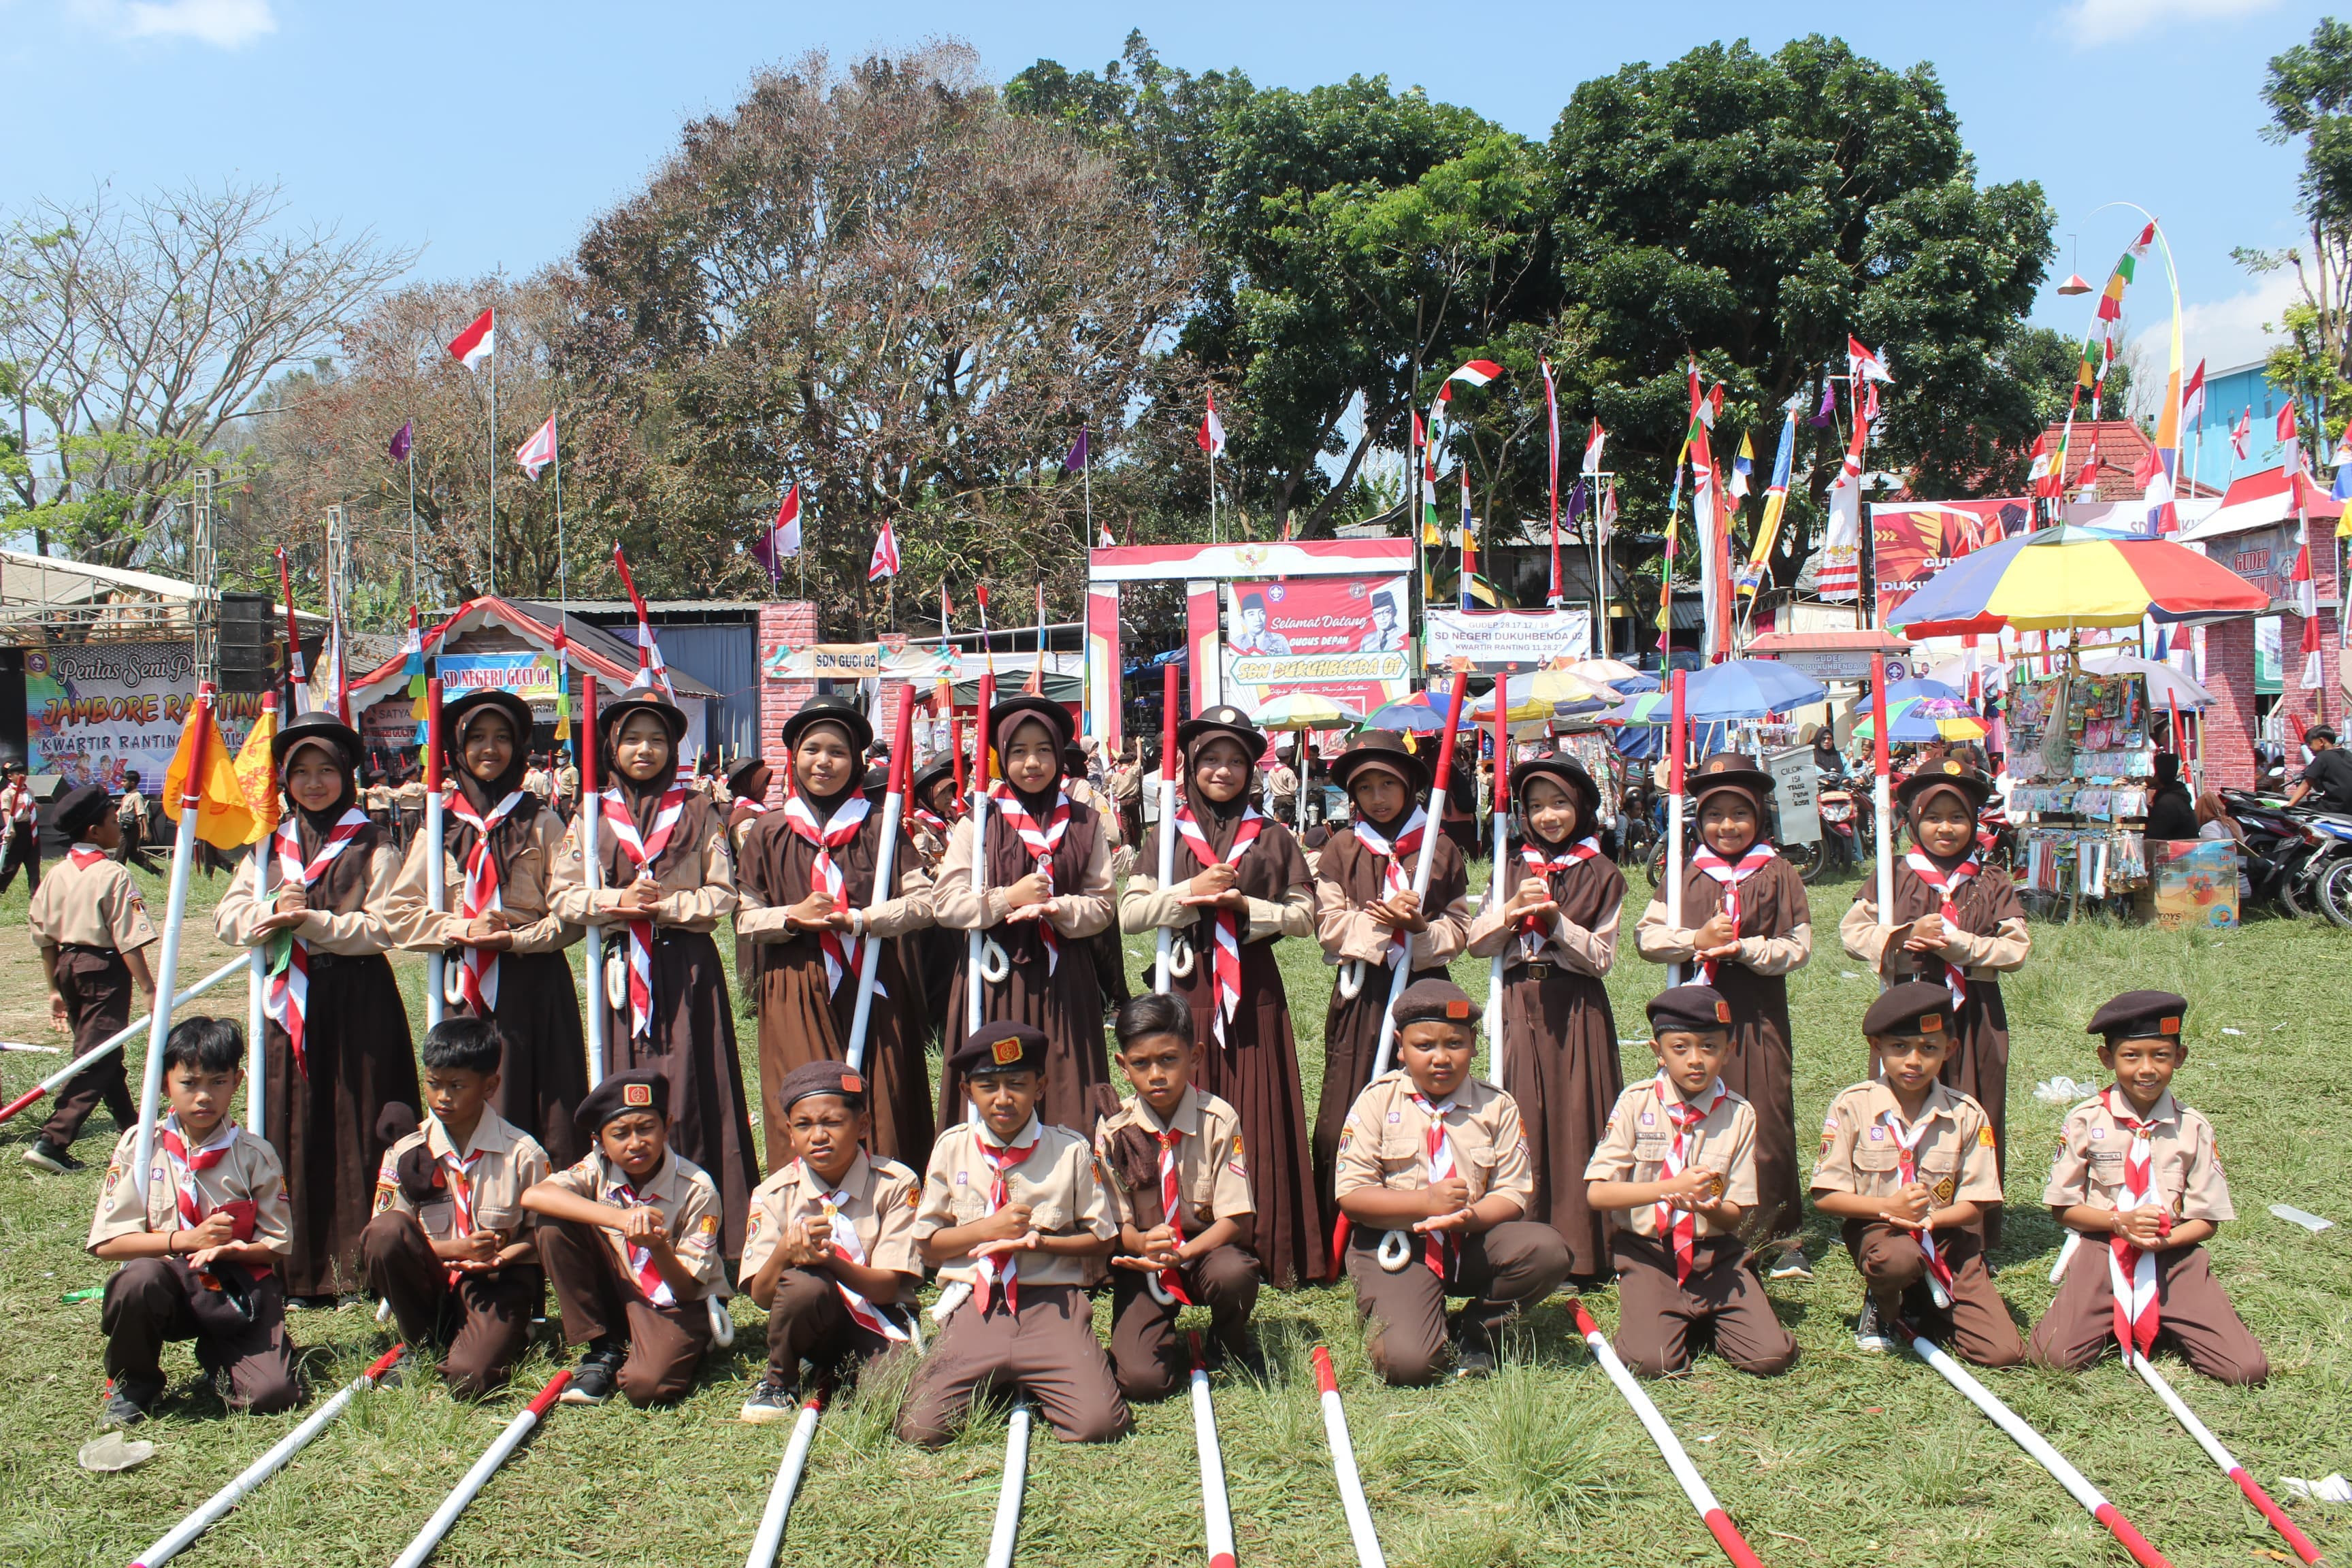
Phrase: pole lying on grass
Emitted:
{"points": [[1702, 1498], [2035, 1445], [436, 875], [1502, 814], [771, 1537], [1882, 801], [1431, 831], [115, 1042], [894, 807], [1166, 938], [175, 916], [1215, 1507], [2222, 1457], [528, 1417], [591, 876], [1006, 1533], [182, 1535], [1343, 1465], [1677, 743]]}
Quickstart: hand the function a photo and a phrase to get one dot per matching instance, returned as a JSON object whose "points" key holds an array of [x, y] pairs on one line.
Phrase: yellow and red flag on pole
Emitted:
{"points": [[256, 776], [223, 817]]}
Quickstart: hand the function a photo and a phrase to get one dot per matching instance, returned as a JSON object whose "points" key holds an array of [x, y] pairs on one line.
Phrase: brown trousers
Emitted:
{"points": [[809, 1322], [1657, 1316], [96, 985], [2195, 1316], [1891, 1263], [1149, 1359], [150, 1299], [484, 1319], [665, 1343], [1047, 1349], [1516, 1264]]}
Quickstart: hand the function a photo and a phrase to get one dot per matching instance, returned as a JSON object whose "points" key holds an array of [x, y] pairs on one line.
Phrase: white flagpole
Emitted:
{"points": [[413, 593], [1215, 537], [492, 553], [1086, 482], [176, 914]]}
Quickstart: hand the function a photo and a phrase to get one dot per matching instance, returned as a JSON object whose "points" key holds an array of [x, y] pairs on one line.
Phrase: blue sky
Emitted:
{"points": [[492, 133]]}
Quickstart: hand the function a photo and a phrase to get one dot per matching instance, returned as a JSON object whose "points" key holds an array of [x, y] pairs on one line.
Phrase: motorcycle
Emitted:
{"points": [[1847, 824], [2278, 845], [1808, 858]]}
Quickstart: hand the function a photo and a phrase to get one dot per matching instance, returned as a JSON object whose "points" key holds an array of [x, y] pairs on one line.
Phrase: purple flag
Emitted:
{"points": [[404, 438], [1076, 460], [1827, 412], [1576, 500]]}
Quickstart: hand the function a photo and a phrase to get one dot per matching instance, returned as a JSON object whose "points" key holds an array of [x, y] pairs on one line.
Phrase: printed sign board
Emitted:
{"points": [[98, 711]]}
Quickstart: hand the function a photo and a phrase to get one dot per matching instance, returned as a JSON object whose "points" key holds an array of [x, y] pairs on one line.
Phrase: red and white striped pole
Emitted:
{"points": [[591, 876], [2223, 1456], [1164, 938], [528, 1417], [1882, 799], [1214, 1506], [2094, 1501], [1702, 1498], [1343, 1465], [771, 1537], [182, 1535], [1677, 743]]}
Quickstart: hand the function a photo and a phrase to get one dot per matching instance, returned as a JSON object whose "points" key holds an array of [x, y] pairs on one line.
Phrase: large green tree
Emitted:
{"points": [[2308, 92]]}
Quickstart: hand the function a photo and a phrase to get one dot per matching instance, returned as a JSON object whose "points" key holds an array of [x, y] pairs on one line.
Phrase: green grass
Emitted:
{"points": [[1849, 1459]]}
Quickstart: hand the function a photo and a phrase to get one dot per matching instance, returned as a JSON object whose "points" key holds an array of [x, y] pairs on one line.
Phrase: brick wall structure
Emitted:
{"points": [[2234, 722], [792, 623]]}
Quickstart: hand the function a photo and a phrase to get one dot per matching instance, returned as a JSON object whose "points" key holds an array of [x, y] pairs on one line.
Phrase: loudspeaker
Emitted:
{"points": [[248, 659]]}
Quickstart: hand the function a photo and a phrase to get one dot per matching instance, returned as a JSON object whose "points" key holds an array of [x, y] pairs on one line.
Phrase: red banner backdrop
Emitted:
{"points": [[1913, 540], [1349, 638]]}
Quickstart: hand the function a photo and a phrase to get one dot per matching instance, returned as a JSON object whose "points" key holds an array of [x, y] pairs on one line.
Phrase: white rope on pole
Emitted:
{"points": [[1343, 1465]]}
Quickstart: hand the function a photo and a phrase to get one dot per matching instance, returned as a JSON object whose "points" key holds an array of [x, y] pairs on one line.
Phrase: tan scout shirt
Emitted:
{"points": [[1211, 1168], [1082, 913], [1058, 1181], [688, 1205], [363, 931], [1981, 957], [1567, 945], [697, 889], [523, 894], [1144, 906], [911, 910], [1663, 943], [92, 905], [248, 1172], [507, 1159], [1955, 1156], [881, 1209], [1384, 1142], [2185, 1161], [1634, 1149], [1348, 933]]}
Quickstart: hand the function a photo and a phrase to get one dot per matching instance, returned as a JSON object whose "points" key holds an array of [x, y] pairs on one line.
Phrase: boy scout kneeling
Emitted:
{"points": [[1013, 1215], [629, 1237], [829, 1244], [1433, 1177]]}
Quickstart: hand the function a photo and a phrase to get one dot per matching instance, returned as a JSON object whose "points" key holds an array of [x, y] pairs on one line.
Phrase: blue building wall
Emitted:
{"points": [[2206, 455], [726, 658]]}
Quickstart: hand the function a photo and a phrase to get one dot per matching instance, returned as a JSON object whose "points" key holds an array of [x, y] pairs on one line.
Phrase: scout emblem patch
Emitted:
{"points": [[2168, 1026], [1005, 1051], [637, 1094], [1984, 1137], [1722, 1011], [1458, 1008], [851, 1084], [1943, 1190], [1931, 1023]]}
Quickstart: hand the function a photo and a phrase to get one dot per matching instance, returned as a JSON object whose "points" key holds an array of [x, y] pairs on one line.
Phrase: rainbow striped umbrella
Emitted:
{"points": [[2063, 577], [1917, 719]]}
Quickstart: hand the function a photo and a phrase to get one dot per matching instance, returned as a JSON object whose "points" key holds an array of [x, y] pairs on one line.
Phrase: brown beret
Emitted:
{"points": [[1913, 1007], [821, 1078], [620, 1094], [1436, 1001], [1690, 1009], [2138, 1014], [1007, 1045]]}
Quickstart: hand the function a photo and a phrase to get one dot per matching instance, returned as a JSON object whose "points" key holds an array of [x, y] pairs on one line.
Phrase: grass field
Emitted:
{"points": [[1849, 1459]]}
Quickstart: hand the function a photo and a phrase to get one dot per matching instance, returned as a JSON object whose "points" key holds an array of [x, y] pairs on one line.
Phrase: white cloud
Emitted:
{"points": [[2094, 23], [2224, 334], [224, 24]]}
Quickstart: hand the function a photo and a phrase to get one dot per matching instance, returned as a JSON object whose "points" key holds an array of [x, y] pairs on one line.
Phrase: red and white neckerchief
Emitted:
{"points": [[1227, 924], [846, 1243], [931, 820], [1947, 886], [84, 857], [185, 1166], [642, 852], [17, 802], [1438, 1149], [1729, 876], [461, 1198], [286, 999], [1394, 879], [477, 968], [1531, 932], [1040, 843], [756, 807], [1005, 1266], [641, 1268], [1907, 1171], [1680, 1226], [1172, 1207], [825, 874], [2131, 1271]]}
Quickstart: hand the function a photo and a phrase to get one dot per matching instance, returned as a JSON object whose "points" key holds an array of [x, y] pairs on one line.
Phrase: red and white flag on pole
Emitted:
{"points": [[1476, 373], [2293, 458], [1864, 365], [1592, 445], [2193, 396], [650, 669], [472, 346], [2242, 435], [539, 450], [885, 554], [1212, 437]]}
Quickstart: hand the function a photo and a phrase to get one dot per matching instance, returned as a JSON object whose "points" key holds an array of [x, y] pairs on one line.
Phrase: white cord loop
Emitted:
{"points": [[1396, 1250], [995, 963], [1352, 979]]}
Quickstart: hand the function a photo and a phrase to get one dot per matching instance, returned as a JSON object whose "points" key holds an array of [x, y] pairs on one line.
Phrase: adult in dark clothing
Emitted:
{"points": [[2327, 778], [2171, 814]]}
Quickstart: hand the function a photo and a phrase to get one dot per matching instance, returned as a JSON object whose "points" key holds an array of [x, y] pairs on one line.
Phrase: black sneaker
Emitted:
{"points": [[127, 1403], [412, 1361], [1245, 1357], [1870, 1329], [773, 1400], [592, 1379], [54, 1158], [1474, 1352]]}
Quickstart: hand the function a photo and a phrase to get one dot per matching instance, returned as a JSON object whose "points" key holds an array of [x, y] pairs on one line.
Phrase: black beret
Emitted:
{"points": [[739, 771], [821, 1078], [1913, 1007], [80, 807], [2135, 1013], [1007, 1045], [1692, 1009], [1436, 1001], [620, 1093]]}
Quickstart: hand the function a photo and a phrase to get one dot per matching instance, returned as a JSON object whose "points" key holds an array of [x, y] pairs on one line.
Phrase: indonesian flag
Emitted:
{"points": [[2193, 396], [885, 554], [2046, 462], [1862, 365], [1476, 373], [2306, 605], [781, 539], [2294, 458], [1841, 569], [539, 450], [1212, 437], [2242, 435], [650, 668], [1428, 457], [1592, 445], [472, 346]]}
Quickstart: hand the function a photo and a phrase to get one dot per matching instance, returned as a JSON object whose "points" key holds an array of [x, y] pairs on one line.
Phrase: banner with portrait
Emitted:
{"points": [[1347, 638], [1913, 540]]}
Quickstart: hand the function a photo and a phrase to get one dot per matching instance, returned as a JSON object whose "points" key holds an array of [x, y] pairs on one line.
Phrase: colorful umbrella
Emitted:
{"points": [[1607, 671], [1736, 689], [1547, 694], [1307, 710], [1406, 716], [1915, 719], [2063, 577]]}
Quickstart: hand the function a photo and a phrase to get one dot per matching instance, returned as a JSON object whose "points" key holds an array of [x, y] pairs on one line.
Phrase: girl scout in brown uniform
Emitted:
{"points": [[1240, 886], [1367, 920], [337, 1048], [1555, 926], [498, 848], [805, 875], [1747, 926], [667, 881]]}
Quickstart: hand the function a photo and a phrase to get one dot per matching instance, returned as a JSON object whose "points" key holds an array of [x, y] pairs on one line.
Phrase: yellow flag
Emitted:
{"points": [[223, 820], [257, 778]]}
